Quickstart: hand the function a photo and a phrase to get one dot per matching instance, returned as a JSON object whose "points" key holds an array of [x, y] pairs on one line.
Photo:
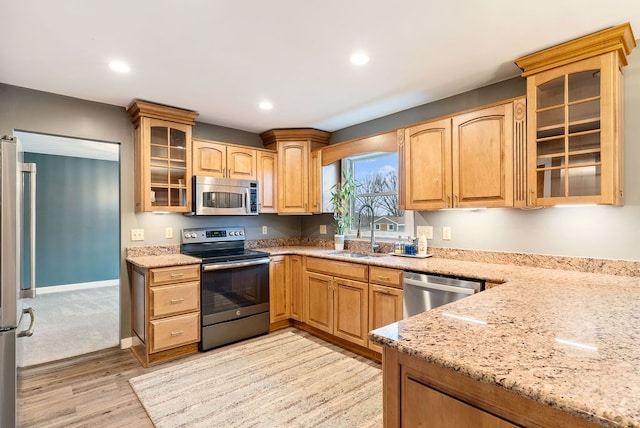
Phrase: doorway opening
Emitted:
{"points": [[77, 242]]}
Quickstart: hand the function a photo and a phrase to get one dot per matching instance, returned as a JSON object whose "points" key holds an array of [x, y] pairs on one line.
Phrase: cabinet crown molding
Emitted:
{"points": [[296, 134], [619, 39], [140, 108]]}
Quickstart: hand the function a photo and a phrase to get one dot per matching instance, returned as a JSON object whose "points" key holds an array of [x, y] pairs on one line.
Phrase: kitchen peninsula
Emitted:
{"points": [[546, 347]]}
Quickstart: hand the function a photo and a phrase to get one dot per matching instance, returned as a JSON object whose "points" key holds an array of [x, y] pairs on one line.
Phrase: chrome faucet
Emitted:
{"points": [[372, 246]]}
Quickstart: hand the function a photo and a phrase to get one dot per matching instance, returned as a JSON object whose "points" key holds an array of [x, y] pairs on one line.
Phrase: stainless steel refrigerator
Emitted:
{"points": [[11, 311]]}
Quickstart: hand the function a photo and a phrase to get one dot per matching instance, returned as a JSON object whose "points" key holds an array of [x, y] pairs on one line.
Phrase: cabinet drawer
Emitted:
{"points": [[385, 276], [340, 269], [173, 274], [174, 331], [174, 299]]}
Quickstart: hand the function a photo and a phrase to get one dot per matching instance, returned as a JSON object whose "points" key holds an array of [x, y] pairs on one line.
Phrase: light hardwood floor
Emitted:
{"points": [[91, 390]]}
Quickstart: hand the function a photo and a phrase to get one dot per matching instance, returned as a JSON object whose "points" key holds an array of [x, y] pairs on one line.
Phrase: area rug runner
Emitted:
{"points": [[279, 380]]}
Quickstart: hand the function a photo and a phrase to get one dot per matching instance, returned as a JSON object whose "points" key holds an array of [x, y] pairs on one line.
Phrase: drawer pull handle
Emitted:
{"points": [[175, 301], [380, 290], [386, 278], [177, 333], [177, 275]]}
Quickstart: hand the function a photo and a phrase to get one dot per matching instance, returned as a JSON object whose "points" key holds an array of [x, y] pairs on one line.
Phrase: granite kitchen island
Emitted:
{"points": [[547, 348]]}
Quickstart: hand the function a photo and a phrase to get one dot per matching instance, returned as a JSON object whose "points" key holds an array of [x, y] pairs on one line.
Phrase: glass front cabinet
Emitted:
{"points": [[575, 110], [162, 148]]}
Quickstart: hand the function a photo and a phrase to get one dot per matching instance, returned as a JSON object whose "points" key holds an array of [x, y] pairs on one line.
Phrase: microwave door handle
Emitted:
{"points": [[30, 168], [246, 200]]}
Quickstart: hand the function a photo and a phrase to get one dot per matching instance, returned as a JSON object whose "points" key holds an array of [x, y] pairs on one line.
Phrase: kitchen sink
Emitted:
{"points": [[353, 255]]}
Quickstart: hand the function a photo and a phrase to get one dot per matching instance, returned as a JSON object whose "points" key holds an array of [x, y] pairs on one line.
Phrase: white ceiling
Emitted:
{"points": [[221, 57]]}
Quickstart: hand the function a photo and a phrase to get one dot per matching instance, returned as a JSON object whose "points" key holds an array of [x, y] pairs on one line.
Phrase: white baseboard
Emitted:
{"points": [[126, 342], [77, 286]]}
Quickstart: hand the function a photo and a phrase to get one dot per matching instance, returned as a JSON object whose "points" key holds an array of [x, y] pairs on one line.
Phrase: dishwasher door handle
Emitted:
{"points": [[440, 287]]}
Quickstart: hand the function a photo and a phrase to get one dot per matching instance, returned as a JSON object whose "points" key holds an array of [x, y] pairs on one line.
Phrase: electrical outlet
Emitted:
{"points": [[446, 233], [137, 234], [264, 230], [168, 232], [323, 229], [427, 230]]}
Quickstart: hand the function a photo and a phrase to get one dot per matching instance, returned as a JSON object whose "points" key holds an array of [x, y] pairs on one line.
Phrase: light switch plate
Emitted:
{"points": [[446, 233], [137, 234], [427, 230], [323, 229], [168, 232]]}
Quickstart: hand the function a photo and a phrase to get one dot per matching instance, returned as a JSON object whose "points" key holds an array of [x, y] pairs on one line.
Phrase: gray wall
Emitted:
{"points": [[36, 111], [78, 211], [601, 231]]}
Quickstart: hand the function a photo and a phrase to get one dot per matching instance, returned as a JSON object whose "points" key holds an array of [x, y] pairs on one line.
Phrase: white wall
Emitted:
{"points": [[600, 232]]}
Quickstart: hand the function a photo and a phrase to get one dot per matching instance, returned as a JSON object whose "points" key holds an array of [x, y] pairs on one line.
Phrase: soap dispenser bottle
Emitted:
{"points": [[422, 245]]}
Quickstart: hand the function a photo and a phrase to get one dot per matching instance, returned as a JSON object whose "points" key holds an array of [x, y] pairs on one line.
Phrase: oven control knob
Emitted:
{"points": [[241, 233]]}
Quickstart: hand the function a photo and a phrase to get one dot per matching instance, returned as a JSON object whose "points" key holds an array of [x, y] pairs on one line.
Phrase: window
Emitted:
{"points": [[376, 177]]}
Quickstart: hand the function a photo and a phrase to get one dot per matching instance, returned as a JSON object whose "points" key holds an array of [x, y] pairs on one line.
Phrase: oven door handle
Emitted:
{"points": [[232, 265]]}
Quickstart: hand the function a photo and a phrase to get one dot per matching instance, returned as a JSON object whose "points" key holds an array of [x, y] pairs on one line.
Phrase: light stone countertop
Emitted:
{"points": [[567, 339], [163, 260]]}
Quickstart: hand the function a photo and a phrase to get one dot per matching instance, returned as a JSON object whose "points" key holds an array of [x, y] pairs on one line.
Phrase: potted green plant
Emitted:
{"points": [[341, 194]]}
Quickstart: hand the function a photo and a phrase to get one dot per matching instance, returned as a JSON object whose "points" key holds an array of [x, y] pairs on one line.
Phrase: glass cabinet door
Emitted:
{"points": [[568, 135], [168, 165]]}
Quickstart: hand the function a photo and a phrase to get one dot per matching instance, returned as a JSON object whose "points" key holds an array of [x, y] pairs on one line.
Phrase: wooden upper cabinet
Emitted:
{"points": [[294, 148], [215, 159], [575, 111], [468, 160], [268, 177], [162, 147], [427, 165], [482, 158]]}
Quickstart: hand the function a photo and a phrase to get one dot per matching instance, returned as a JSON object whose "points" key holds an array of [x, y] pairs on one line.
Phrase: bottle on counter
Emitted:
{"points": [[398, 246], [422, 245], [410, 246]]}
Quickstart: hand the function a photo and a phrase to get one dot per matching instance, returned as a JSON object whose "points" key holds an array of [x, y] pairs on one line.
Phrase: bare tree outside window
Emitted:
{"points": [[376, 179]]}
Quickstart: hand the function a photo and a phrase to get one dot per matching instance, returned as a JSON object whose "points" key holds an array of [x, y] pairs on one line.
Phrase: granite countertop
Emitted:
{"points": [[567, 339], [162, 260]]}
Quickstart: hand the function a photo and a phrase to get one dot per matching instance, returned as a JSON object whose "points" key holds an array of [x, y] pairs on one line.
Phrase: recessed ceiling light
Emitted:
{"points": [[359, 58], [119, 66], [265, 105]]}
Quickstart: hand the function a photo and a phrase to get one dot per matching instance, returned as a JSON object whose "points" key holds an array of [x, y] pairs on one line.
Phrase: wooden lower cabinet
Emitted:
{"points": [[279, 289], [417, 393], [351, 310], [296, 269], [286, 294], [425, 406], [385, 298], [337, 305], [165, 312], [385, 307]]}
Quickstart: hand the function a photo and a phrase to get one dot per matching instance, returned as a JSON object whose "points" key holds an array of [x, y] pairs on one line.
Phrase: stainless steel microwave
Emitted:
{"points": [[225, 196]]}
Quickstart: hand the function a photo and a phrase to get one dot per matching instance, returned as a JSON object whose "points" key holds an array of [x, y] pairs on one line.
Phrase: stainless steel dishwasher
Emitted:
{"points": [[423, 292]]}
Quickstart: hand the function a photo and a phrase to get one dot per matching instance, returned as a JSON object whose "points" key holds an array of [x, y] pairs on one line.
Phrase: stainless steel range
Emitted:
{"points": [[234, 285]]}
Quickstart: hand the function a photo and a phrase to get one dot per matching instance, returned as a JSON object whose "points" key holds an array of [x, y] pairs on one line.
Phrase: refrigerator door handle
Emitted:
{"points": [[30, 292], [32, 325]]}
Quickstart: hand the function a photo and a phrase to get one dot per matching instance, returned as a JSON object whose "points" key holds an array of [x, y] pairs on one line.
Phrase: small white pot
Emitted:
{"points": [[338, 241]]}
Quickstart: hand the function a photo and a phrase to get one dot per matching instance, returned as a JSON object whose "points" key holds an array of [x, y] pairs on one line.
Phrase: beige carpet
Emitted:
{"points": [[279, 380]]}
